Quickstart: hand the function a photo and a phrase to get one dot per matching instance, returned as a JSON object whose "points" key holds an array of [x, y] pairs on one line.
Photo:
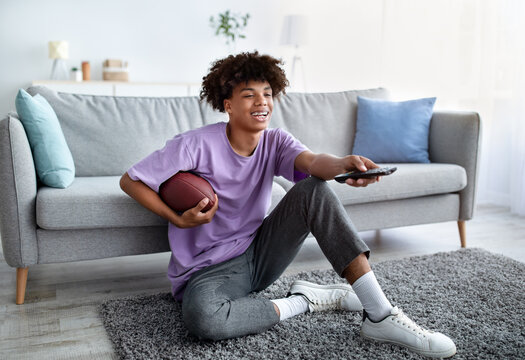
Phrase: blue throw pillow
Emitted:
{"points": [[53, 160], [390, 131]]}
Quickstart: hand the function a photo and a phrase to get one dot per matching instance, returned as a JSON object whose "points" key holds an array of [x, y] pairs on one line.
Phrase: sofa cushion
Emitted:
{"points": [[98, 202], [409, 181], [389, 131], [108, 134], [90, 202], [53, 161]]}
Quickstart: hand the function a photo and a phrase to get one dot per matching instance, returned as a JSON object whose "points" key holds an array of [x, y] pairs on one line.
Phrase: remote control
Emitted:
{"points": [[356, 174]]}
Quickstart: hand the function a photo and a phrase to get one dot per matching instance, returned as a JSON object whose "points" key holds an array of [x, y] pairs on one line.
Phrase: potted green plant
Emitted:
{"points": [[75, 74], [230, 26]]}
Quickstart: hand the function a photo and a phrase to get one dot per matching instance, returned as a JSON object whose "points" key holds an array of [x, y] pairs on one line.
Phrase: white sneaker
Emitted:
{"points": [[327, 297], [398, 329]]}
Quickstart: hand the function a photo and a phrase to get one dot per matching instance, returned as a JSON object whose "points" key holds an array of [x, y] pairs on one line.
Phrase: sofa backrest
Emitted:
{"points": [[107, 134], [325, 122]]}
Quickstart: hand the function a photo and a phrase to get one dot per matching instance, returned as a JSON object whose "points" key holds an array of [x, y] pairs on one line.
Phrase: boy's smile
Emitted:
{"points": [[261, 116]]}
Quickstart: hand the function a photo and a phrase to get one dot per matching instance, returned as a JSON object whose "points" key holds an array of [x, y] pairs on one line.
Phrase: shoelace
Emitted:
{"points": [[405, 321]]}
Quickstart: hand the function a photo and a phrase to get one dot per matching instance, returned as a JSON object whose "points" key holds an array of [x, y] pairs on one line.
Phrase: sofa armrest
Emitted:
{"points": [[17, 195], [455, 138]]}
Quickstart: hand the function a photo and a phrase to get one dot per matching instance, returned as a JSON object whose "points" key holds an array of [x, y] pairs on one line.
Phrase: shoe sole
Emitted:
{"points": [[317, 286], [441, 354]]}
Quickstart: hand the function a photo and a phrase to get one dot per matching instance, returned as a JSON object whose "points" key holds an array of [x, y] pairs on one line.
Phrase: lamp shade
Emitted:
{"points": [[58, 49], [294, 30]]}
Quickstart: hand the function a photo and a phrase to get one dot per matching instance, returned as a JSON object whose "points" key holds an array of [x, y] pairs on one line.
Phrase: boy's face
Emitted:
{"points": [[250, 106]]}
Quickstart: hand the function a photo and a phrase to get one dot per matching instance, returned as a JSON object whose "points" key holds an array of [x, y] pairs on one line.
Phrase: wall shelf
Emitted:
{"points": [[122, 88]]}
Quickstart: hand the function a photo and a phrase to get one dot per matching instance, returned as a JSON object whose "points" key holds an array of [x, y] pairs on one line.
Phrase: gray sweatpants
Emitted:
{"points": [[215, 304]]}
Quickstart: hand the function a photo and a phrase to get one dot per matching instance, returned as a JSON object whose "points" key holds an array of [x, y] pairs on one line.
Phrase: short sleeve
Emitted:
{"points": [[288, 148], [160, 165]]}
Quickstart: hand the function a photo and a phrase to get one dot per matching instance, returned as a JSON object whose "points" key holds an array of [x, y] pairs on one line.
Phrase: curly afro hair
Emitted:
{"points": [[225, 74]]}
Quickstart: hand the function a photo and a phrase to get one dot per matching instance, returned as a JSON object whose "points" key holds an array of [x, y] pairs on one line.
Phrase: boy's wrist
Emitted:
{"points": [[175, 220], [171, 216]]}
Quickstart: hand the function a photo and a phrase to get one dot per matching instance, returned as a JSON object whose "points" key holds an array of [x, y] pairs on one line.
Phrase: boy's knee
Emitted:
{"points": [[313, 186], [310, 183], [204, 322]]}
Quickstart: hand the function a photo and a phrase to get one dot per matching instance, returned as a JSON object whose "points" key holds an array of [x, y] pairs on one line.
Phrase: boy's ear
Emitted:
{"points": [[227, 106]]}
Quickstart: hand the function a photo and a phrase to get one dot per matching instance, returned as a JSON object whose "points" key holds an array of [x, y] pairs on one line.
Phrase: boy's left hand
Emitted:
{"points": [[361, 163]]}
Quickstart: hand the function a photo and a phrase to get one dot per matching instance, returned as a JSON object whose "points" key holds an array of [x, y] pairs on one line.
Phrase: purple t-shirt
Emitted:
{"points": [[243, 186]]}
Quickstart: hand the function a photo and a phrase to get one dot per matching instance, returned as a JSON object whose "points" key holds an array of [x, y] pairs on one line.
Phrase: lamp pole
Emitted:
{"points": [[294, 32]]}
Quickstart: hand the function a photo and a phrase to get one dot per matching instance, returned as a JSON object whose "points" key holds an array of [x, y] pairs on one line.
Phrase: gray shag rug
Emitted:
{"points": [[475, 297]]}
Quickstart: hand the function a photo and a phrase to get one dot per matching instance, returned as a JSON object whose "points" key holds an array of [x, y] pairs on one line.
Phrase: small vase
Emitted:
{"points": [[75, 75]]}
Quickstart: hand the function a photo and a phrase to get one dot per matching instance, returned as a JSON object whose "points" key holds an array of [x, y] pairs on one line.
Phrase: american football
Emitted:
{"points": [[184, 190]]}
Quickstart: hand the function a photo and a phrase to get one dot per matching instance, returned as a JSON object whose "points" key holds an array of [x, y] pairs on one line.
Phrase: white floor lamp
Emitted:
{"points": [[294, 33]]}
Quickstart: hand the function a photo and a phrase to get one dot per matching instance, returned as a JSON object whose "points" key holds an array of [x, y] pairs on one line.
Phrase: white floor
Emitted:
{"points": [[60, 321]]}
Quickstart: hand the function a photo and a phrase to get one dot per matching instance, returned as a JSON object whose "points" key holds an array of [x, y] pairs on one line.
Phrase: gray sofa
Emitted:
{"points": [[94, 219]]}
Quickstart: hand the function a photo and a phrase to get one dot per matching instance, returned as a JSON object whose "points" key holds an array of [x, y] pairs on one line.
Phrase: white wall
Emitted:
{"points": [[171, 41], [163, 40], [408, 46]]}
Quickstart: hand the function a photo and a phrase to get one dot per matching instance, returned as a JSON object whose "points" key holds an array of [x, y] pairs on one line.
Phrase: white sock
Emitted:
{"points": [[372, 297], [291, 306]]}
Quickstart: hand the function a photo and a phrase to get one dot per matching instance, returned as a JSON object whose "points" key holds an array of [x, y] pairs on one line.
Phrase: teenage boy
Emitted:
{"points": [[222, 255]]}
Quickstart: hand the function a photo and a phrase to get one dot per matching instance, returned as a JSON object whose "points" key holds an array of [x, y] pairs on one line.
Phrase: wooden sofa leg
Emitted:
{"points": [[462, 233], [21, 282]]}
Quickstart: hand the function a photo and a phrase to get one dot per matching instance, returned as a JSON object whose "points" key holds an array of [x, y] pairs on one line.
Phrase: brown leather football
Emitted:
{"points": [[184, 190]]}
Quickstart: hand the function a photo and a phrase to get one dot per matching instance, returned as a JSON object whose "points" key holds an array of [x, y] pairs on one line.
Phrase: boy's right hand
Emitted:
{"points": [[194, 217]]}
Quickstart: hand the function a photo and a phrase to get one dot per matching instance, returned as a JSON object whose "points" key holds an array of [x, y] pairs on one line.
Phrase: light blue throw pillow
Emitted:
{"points": [[53, 160], [389, 131]]}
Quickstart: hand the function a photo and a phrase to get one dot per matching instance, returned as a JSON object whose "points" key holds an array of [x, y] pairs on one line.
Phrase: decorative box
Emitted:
{"points": [[115, 70]]}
